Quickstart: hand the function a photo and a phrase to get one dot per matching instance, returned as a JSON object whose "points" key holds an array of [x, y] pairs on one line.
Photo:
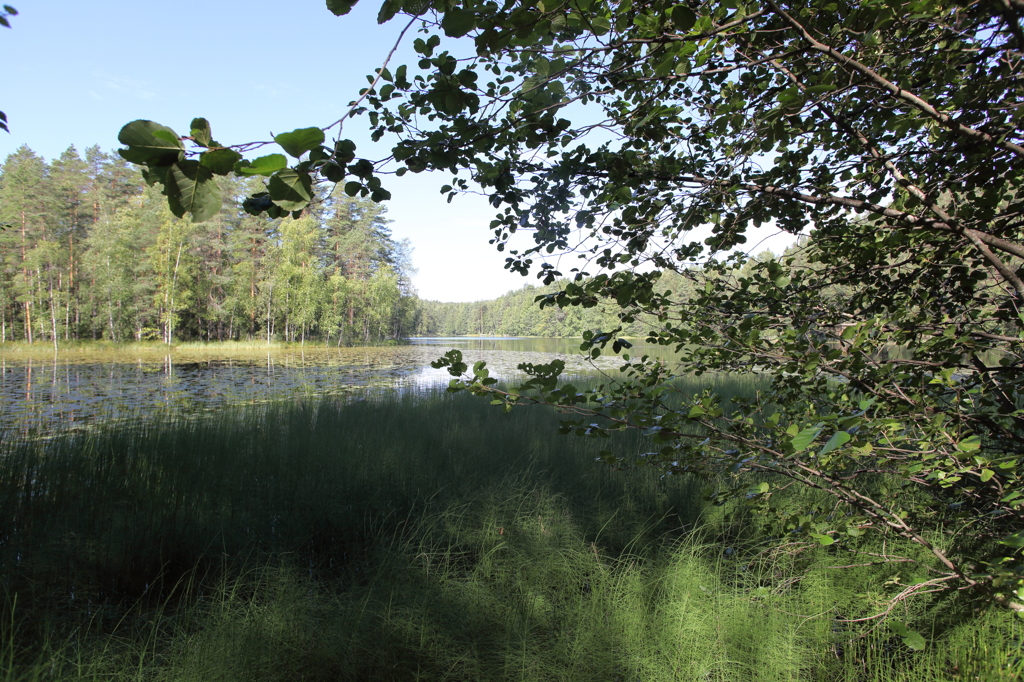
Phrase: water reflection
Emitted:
{"points": [[81, 386]]}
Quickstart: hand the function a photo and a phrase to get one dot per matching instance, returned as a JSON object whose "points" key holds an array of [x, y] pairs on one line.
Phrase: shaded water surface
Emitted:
{"points": [[79, 386]]}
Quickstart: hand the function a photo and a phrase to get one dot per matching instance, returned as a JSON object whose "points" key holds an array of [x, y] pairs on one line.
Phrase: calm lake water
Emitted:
{"points": [[78, 387]]}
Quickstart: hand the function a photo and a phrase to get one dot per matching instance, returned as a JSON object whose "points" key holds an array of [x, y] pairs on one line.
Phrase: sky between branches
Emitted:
{"points": [[76, 72]]}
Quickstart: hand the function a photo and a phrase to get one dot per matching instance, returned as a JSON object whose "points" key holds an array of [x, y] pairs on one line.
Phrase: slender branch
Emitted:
{"points": [[380, 72]]}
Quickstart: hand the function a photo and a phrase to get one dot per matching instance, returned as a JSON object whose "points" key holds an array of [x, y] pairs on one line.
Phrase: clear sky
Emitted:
{"points": [[75, 72]]}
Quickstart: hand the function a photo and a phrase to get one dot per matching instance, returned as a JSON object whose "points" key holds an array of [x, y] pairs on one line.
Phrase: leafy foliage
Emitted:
{"points": [[651, 138]]}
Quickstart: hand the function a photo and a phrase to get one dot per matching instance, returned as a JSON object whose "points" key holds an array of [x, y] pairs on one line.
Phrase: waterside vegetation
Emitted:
{"points": [[431, 538]]}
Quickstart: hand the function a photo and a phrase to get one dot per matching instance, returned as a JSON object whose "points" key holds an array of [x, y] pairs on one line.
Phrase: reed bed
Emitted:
{"points": [[422, 537]]}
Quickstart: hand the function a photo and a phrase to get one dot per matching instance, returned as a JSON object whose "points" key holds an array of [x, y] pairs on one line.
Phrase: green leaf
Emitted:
{"points": [[1016, 540], [191, 189], [824, 540], [802, 440], [150, 143], [341, 7], [969, 444], [683, 18], [220, 161], [458, 22], [986, 475], [290, 189], [333, 171], [300, 141], [264, 165], [388, 10], [838, 439], [155, 174], [201, 132], [911, 638]]}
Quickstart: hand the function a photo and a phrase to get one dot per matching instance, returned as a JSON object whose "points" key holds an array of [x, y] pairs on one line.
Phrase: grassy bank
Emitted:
{"points": [[424, 538], [46, 350]]}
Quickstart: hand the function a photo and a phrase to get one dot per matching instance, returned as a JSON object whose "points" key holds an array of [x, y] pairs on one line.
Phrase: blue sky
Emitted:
{"points": [[75, 72]]}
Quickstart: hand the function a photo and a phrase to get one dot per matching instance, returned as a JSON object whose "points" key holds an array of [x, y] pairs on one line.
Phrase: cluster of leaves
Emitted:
{"points": [[188, 183], [652, 137]]}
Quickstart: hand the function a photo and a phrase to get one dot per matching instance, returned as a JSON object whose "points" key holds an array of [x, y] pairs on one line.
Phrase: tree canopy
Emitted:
{"points": [[91, 252], [646, 137]]}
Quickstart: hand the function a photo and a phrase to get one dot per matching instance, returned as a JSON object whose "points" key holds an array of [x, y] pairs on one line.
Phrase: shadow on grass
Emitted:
{"points": [[412, 538]]}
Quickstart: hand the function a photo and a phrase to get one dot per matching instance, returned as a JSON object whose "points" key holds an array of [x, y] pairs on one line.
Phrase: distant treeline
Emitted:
{"points": [[88, 251], [518, 314]]}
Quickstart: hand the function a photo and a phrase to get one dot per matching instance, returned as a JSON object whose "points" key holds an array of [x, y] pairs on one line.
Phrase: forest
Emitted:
{"points": [[89, 251], [517, 312]]}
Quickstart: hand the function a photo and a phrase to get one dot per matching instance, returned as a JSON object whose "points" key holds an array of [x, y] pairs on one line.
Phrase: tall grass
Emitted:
{"points": [[419, 538]]}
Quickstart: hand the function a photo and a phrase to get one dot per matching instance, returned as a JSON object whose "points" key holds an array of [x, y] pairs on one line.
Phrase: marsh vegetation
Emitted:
{"points": [[426, 536]]}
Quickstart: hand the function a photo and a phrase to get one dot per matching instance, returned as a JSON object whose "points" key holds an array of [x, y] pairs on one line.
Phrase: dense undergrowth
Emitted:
{"points": [[429, 538]]}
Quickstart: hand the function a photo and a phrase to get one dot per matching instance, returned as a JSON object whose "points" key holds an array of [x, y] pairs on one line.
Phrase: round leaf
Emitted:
{"points": [[300, 141], [291, 190], [683, 18], [190, 189], [458, 22], [150, 143], [264, 165], [340, 7], [333, 171], [220, 161], [201, 134]]}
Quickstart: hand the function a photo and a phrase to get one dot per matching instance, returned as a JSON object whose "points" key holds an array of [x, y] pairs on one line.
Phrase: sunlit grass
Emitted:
{"points": [[420, 538]]}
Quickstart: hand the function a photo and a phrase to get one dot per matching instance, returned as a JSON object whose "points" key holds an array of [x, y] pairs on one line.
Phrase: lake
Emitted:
{"points": [[78, 386]]}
